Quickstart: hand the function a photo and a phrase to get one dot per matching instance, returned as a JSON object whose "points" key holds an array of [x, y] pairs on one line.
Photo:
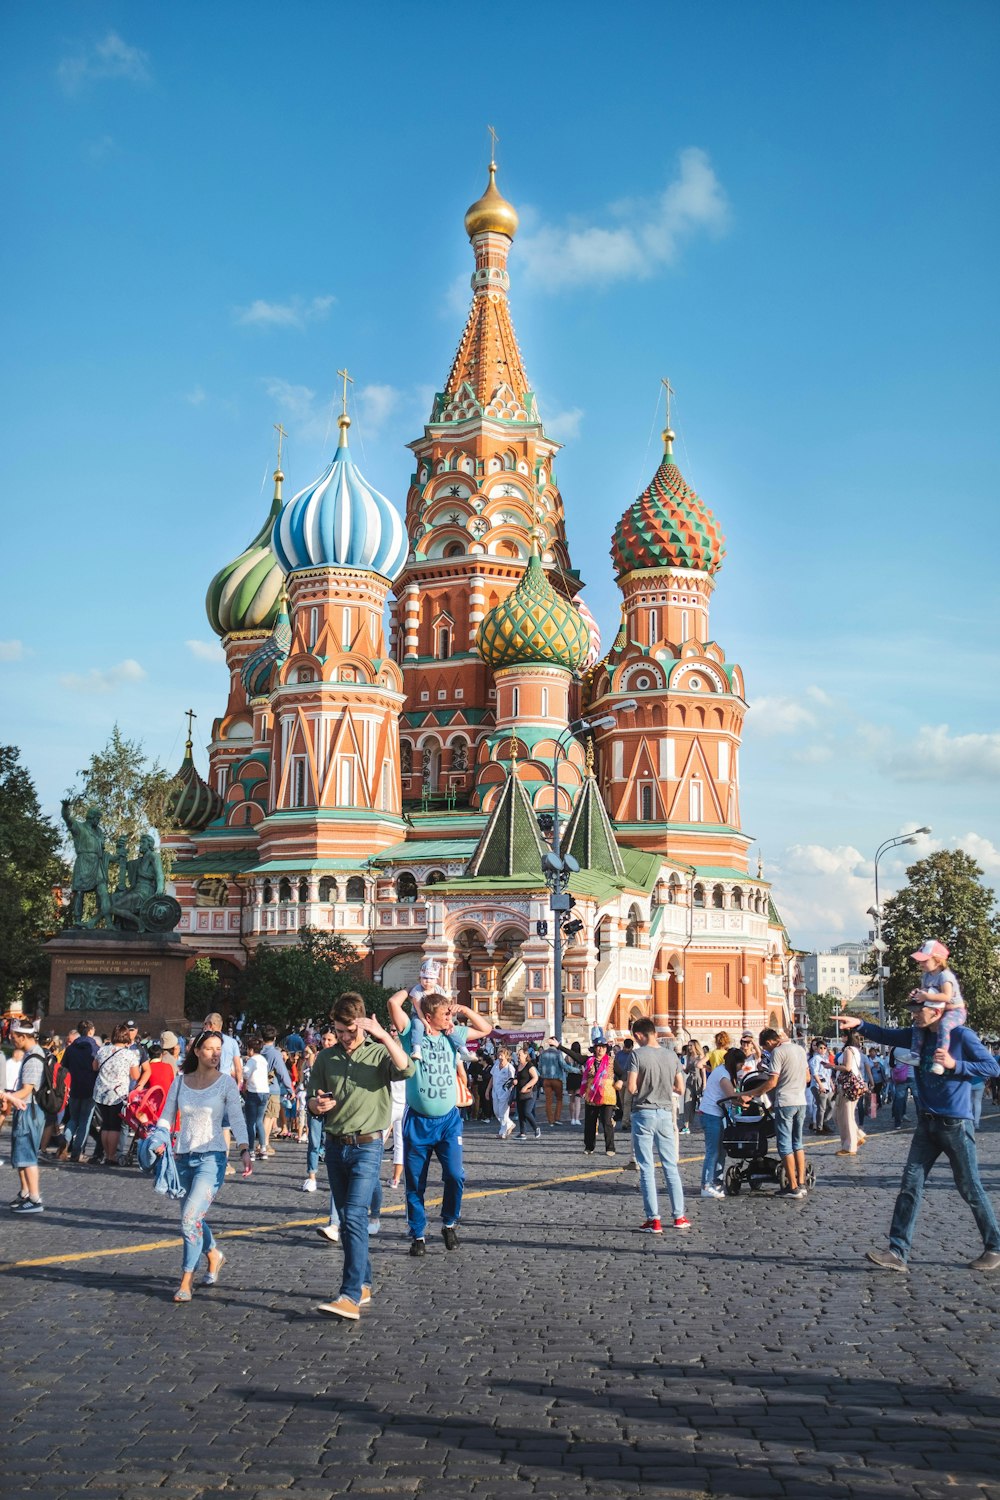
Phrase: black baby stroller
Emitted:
{"points": [[748, 1129]]}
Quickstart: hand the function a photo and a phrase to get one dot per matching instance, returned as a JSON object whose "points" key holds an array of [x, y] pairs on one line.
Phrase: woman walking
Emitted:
{"points": [[527, 1083], [599, 1099], [502, 1076], [208, 1102], [850, 1087], [694, 1083], [117, 1066], [256, 1092], [720, 1086]]}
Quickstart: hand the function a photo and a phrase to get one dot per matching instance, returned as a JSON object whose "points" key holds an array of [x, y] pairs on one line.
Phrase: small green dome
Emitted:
{"points": [[192, 804], [534, 625], [244, 595]]}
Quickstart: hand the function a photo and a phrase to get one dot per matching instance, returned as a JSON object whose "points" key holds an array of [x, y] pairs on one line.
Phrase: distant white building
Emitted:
{"points": [[827, 974], [855, 953]]}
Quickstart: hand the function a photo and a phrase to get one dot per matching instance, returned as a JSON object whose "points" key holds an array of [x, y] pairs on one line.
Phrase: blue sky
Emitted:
{"points": [[791, 210]]}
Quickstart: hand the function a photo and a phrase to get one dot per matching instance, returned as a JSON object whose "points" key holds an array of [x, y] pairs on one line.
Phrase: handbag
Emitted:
{"points": [[851, 1087]]}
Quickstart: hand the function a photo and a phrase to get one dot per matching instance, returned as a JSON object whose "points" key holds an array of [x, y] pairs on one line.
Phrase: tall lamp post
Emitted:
{"points": [[557, 867], [876, 912]]}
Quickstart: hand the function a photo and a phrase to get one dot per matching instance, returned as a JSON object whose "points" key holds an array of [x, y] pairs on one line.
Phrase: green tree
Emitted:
{"points": [[946, 898], [30, 872], [287, 985], [821, 1010], [131, 791], [202, 990]]}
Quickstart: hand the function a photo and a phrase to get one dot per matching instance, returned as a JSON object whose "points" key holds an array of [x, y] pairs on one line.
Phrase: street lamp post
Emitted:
{"points": [[876, 912], [558, 867]]}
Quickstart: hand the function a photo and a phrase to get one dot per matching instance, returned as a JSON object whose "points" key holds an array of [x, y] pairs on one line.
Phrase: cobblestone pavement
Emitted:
{"points": [[557, 1351]]}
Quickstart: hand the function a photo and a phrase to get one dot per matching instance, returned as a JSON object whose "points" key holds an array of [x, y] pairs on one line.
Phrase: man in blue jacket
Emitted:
{"points": [[944, 1127]]}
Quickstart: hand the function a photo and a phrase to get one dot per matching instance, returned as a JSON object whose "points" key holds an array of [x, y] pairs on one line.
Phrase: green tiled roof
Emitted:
{"points": [[588, 836], [723, 872], [511, 843], [419, 850], [225, 862], [287, 866]]}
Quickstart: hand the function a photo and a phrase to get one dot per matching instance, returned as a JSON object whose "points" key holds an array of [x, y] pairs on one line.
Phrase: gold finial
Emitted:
{"points": [[760, 865], [668, 433], [493, 147], [344, 421], [278, 476], [513, 751], [191, 716], [590, 755]]}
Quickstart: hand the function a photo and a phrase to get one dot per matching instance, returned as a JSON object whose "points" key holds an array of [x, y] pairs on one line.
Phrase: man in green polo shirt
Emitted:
{"points": [[349, 1088]]}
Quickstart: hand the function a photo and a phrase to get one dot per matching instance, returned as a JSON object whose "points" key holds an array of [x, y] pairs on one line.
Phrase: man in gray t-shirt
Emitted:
{"points": [[653, 1080], [787, 1083]]}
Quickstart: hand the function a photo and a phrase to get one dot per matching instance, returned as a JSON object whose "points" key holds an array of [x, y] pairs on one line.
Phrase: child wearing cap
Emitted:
{"points": [[427, 984], [939, 984]]}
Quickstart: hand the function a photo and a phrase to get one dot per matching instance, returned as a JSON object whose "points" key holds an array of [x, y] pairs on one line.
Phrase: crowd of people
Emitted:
{"points": [[349, 1087]]}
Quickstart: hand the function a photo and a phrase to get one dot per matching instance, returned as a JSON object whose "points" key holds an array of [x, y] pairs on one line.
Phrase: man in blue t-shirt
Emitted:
{"points": [[942, 1080], [432, 1124]]}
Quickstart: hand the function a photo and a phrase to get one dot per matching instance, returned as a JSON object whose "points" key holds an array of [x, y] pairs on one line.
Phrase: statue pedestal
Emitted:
{"points": [[108, 977]]}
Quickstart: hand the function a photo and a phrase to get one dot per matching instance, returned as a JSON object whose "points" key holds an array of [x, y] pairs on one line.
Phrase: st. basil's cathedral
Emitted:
{"points": [[397, 730]]}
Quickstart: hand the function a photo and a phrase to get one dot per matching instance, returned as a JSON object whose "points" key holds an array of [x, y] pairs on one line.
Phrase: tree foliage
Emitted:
{"points": [[202, 990], [821, 1010], [946, 898], [287, 985], [131, 792], [30, 870]]}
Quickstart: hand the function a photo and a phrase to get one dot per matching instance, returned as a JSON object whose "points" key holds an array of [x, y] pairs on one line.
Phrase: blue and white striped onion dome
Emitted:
{"points": [[340, 521]]}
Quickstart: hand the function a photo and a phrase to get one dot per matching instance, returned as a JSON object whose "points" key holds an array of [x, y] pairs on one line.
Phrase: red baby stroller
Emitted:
{"points": [[143, 1108]]}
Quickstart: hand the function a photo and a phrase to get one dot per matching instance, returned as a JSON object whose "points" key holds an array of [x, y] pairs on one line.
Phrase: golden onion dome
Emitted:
{"points": [[534, 626], [491, 212]]}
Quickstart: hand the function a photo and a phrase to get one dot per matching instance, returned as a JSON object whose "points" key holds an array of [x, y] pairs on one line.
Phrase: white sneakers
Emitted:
{"points": [[712, 1192], [309, 1186], [329, 1232]]}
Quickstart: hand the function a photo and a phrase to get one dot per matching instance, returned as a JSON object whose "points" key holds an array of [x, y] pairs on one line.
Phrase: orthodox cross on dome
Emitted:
{"points": [[282, 434], [345, 378], [670, 392], [493, 145], [191, 716]]}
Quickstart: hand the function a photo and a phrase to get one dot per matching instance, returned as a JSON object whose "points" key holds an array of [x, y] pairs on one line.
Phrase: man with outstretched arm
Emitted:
{"points": [[944, 1125], [349, 1090], [432, 1125]]}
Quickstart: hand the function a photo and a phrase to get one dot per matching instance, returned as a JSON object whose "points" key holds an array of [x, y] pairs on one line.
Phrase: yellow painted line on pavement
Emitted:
{"points": [[394, 1208]]}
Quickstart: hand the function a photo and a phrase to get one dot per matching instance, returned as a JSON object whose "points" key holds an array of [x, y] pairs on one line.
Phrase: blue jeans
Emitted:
{"points": [[899, 1093], [254, 1106], [654, 1129], [26, 1128], [353, 1172], [315, 1143], [425, 1136], [712, 1166], [789, 1120], [935, 1136], [79, 1114], [202, 1174]]}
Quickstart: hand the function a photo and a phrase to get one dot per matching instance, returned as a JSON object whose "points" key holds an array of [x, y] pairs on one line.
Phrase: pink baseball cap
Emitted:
{"points": [[931, 949]]}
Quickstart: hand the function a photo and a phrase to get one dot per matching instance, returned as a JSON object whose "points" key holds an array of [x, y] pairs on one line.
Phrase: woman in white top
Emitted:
{"points": [[502, 1075], [207, 1101], [845, 1110], [720, 1086], [256, 1092]]}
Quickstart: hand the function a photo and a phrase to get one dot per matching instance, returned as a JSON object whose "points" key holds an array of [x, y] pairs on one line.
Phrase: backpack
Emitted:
{"points": [[52, 1094]]}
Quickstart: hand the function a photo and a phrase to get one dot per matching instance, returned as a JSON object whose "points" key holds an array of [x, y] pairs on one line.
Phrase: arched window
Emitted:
{"points": [[444, 642], [303, 891], [632, 930], [435, 877], [654, 627], [328, 889], [284, 889], [268, 896], [356, 888], [646, 804], [738, 898], [406, 887], [405, 758], [699, 895], [454, 549], [673, 890], [718, 896]]}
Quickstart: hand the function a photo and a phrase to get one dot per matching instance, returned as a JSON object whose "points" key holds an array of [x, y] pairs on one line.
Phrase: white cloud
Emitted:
{"points": [[205, 650], [12, 651], [813, 755], [375, 405], [779, 715], [564, 426], [938, 755], [295, 313], [197, 396], [104, 680], [982, 850], [650, 237], [823, 893], [111, 58], [819, 696]]}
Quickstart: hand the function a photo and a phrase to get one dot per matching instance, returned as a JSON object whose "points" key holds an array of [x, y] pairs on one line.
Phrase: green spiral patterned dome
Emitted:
{"points": [[668, 526], [244, 595], [534, 625], [192, 804]]}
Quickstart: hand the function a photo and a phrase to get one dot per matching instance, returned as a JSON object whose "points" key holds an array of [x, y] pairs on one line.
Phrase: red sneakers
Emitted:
{"points": [[682, 1223], [651, 1226]]}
